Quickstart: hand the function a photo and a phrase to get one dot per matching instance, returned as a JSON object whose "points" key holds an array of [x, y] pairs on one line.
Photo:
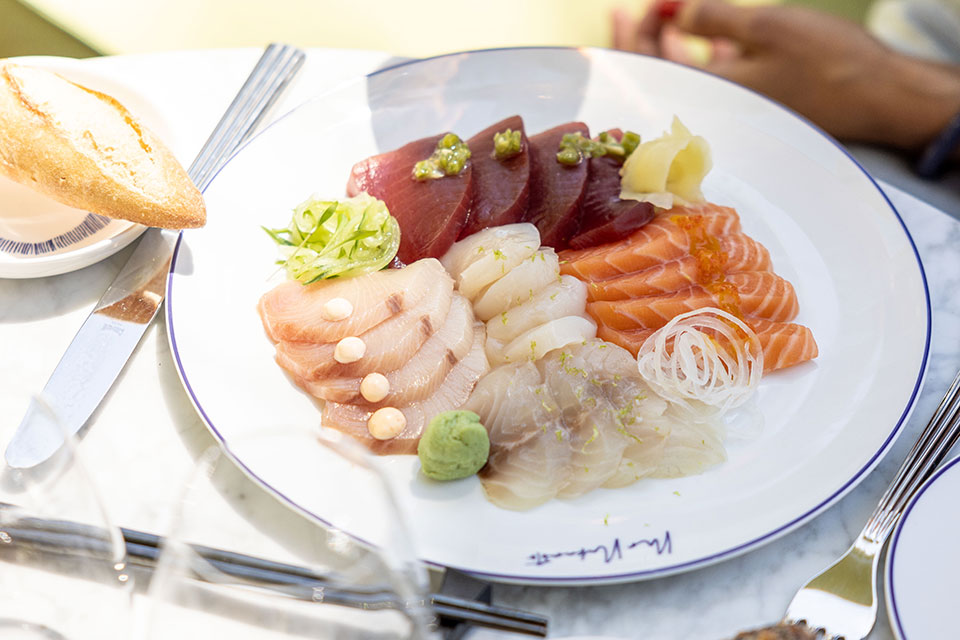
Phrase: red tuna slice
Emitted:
{"points": [[604, 216], [501, 188], [556, 190], [430, 212]]}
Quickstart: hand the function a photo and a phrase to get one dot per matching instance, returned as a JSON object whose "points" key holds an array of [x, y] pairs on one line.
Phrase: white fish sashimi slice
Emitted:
{"points": [[421, 374], [567, 297], [528, 461], [486, 256], [389, 345], [352, 419], [519, 285], [294, 312], [537, 342], [691, 447], [596, 441]]}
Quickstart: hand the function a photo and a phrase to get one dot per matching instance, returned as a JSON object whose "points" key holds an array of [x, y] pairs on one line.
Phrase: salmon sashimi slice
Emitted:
{"points": [[389, 345], [604, 216], [556, 189], [760, 293], [670, 235], [784, 344], [294, 312], [430, 213], [456, 388], [418, 377], [737, 253], [501, 188]]}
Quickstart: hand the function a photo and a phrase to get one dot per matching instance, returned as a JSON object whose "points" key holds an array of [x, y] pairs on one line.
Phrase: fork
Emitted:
{"points": [[841, 601]]}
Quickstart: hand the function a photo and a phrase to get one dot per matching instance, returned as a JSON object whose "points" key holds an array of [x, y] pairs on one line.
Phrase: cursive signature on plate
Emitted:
{"points": [[608, 553]]}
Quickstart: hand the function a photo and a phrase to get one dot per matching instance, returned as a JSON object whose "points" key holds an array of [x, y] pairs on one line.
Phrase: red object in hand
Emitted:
{"points": [[669, 8]]}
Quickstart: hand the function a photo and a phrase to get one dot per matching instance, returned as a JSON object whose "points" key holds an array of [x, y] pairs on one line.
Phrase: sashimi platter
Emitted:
{"points": [[597, 317]]}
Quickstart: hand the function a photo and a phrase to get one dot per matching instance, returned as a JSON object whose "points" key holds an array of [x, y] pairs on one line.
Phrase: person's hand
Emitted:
{"points": [[828, 69]]}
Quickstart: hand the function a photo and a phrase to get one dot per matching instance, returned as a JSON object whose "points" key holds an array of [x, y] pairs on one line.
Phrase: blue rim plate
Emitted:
{"points": [[923, 561], [830, 231]]}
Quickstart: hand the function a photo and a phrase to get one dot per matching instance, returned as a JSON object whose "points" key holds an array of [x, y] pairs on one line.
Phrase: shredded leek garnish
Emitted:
{"points": [[336, 238]]}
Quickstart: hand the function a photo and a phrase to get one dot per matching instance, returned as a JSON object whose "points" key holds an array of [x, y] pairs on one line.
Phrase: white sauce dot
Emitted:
{"points": [[386, 423], [336, 309], [349, 350], [374, 387]]}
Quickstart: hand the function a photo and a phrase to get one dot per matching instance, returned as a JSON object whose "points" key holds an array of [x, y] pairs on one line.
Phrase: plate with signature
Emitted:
{"points": [[829, 229]]}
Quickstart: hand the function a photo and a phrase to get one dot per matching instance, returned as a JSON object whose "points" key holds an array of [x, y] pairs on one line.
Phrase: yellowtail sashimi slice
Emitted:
{"points": [[421, 375], [389, 345], [294, 312]]}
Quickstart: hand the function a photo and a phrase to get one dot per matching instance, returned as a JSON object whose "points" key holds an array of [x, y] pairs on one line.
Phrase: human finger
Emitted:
{"points": [[717, 19], [628, 36]]}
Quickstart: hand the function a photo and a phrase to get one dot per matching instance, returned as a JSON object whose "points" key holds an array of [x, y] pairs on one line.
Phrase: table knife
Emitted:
{"points": [[113, 329]]}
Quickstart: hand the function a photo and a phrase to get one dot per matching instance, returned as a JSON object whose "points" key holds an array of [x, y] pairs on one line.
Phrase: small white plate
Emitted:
{"points": [[923, 562], [42, 237], [829, 229]]}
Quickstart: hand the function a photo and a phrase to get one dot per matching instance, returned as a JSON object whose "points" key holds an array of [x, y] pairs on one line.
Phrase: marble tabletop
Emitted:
{"points": [[139, 464]]}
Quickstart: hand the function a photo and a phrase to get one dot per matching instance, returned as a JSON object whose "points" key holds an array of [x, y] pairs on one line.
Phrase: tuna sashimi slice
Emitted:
{"points": [[737, 252], [556, 190], [456, 388], [784, 344], [418, 377], [389, 345], [759, 293], [294, 312], [431, 213], [667, 237], [604, 216], [501, 188]]}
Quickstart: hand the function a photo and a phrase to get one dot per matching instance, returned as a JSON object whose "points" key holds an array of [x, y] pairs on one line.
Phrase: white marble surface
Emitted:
{"points": [[145, 439]]}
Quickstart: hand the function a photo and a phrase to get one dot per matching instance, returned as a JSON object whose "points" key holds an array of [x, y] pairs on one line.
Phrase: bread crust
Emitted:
{"points": [[84, 149]]}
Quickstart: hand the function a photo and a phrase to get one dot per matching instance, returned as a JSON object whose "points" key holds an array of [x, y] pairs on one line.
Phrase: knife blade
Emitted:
{"points": [[111, 332]]}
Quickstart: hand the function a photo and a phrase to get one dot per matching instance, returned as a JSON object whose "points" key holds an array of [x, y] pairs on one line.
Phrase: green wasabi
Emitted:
{"points": [[454, 445]]}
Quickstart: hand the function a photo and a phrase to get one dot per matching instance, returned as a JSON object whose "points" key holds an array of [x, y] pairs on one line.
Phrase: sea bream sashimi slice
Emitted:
{"points": [[389, 345], [430, 212], [294, 312], [670, 235], [529, 443], [604, 216], [556, 189], [456, 388], [759, 293], [420, 375], [483, 258], [501, 187], [535, 343], [784, 344], [735, 253]]}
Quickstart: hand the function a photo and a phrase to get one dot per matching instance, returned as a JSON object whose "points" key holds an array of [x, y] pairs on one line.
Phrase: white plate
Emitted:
{"points": [[828, 227], [42, 237], [923, 561]]}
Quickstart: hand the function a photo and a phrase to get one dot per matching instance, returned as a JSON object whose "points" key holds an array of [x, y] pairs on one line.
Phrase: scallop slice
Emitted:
{"points": [[480, 259], [520, 285], [389, 345], [566, 297], [421, 374], [535, 343]]}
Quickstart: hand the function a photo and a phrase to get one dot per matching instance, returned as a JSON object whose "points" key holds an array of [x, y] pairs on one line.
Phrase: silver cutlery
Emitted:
{"points": [[841, 601], [113, 329]]}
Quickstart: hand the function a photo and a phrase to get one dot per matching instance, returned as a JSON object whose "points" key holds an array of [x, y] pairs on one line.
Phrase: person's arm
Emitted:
{"points": [[828, 69]]}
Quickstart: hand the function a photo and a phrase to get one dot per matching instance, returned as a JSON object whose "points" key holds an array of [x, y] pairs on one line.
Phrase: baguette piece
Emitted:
{"points": [[84, 149]]}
